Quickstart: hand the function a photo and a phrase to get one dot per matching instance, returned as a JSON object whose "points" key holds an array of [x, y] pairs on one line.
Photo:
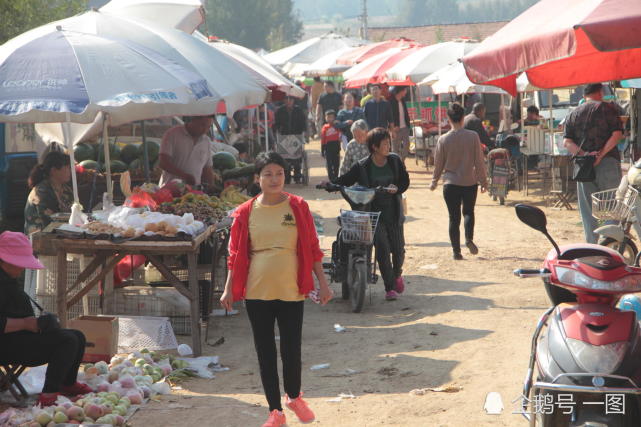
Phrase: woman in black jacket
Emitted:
{"points": [[386, 169], [33, 341], [401, 126]]}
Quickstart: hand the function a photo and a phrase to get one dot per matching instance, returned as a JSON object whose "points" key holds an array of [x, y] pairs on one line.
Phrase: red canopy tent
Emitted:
{"points": [[562, 43], [360, 54], [373, 71]]}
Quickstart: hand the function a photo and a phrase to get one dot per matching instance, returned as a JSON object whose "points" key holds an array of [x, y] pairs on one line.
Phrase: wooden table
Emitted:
{"points": [[108, 253]]}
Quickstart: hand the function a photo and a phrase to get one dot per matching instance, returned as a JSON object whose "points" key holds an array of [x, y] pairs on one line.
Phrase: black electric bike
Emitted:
{"points": [[352, 262]]}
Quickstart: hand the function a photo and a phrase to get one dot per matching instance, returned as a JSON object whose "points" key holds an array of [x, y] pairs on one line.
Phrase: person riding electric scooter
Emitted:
{"points": [[588, 360]]}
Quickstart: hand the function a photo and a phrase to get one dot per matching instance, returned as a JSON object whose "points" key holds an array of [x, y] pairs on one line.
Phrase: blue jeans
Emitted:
{"points": [[608, 176]]}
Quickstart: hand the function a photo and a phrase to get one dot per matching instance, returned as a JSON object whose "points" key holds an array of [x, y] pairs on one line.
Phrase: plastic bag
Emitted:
{"points": [[141, 199]]}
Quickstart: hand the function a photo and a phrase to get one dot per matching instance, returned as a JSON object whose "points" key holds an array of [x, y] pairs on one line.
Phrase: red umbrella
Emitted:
{"points": [[373, 70], [360, 54], [562, 43]]}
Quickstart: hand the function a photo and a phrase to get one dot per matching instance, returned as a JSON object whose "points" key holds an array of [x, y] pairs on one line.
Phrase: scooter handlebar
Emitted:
{"points": [[525, 273]]}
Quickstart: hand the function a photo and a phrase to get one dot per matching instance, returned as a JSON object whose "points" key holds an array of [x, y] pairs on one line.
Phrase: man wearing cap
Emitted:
{"points": [[594, 128], [33, 341], [291, 120], [185, 152]]}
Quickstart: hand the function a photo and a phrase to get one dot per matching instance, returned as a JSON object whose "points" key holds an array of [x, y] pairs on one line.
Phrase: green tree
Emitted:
{"points": [[18, 16], [267, 24]]}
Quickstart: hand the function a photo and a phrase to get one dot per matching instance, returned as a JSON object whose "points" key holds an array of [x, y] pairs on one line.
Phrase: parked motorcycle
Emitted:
{"points": [[587, 352], [352, 262]]}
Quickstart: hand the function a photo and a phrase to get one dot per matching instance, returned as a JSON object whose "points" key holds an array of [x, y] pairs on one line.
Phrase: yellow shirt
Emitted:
{"points": [[273, 265]]}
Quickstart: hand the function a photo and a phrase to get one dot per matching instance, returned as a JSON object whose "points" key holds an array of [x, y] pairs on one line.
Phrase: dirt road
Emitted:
{"points": [[465, 323]]}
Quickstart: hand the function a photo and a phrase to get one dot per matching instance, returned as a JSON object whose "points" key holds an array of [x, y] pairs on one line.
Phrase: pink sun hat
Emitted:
{"points": [[15, 249]]}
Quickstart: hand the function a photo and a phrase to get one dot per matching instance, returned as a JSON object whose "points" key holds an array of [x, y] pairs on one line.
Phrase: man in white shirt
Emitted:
{"points": [[185, 152]]}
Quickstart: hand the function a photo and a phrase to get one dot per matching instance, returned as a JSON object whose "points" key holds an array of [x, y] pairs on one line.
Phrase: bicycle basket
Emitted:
{"points": [[358, 227], [607, 206]]}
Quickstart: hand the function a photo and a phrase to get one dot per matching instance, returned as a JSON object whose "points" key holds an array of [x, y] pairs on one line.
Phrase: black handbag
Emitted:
{"points": [[583, 166], [46, 321]]}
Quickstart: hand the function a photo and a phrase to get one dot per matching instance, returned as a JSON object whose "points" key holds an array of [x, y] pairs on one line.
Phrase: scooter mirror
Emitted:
{"points": [[532, 216]]}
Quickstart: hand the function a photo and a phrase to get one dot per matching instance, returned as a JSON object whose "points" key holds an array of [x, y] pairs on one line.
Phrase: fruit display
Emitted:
{"points": [[233, 196], [123, 156], [208, 209], [119, 388], [223, 161]]}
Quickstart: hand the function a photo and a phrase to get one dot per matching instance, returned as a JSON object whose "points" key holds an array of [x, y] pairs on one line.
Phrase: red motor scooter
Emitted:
{"points": [[587, 352]]}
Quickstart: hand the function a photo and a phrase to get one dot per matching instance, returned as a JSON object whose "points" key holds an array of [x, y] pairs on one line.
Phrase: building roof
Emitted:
{"points": [[432, 34]]}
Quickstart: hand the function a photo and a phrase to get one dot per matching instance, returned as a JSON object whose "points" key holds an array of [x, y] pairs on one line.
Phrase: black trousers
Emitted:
{"points": [[332, 159], [293, 165], [289, 315], [455, 196], [390, 251], [62, 349]]}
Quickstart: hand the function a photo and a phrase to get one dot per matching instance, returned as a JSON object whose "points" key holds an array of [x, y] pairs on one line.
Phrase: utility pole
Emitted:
{"points": [[364, 21]]}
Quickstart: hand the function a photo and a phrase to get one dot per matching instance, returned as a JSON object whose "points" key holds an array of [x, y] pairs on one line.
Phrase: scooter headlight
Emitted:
{"points": [[569, 276], [603, 359]]}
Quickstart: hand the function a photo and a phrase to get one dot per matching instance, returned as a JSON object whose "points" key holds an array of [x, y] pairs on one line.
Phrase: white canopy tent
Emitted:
{"points": [[308, 51], [452, 79], [184, 15]]}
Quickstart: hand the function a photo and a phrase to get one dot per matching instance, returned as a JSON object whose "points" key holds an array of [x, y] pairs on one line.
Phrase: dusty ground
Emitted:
{"points": [[465, 323]]}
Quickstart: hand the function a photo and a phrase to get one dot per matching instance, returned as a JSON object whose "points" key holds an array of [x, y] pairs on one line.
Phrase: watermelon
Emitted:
{"points": [[114, 152], [153, 150], [247, 170], [129, 153], [84, 151], [118, 166], [91, 164], [223, 161]]}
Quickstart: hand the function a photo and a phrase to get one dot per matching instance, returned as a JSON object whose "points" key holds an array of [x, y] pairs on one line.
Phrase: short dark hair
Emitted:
{"points": [[329, 83], [533, 109], [591, 88], [268, 158], [375, 85], [478, 107], [242, 147], [456, 112], [397, 89], [375, 137], [328, 112], [317, 78]]}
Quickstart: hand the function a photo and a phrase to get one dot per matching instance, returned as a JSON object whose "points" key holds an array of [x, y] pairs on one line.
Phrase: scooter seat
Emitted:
{"points": [[603, 263]]}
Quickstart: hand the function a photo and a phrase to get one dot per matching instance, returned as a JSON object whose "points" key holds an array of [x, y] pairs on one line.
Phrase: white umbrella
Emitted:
{"points": [[310, 50], [184, 15], [264, 72], [452, 78], [326, 65], [361, 66], [428, 60], [52, 75]]}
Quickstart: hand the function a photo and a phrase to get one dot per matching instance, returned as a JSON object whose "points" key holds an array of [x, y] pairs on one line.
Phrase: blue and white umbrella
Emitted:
{"points": [[51, 75]]}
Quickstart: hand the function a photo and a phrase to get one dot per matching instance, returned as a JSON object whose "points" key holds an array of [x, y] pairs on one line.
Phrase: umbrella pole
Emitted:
{"points": [[418, 109], [105, 146], [266, 130], [438, 108], [145, 152], [66, 130], [220, 130]]}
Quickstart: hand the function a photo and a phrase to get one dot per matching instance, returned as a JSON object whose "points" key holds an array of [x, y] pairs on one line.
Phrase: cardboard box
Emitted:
{"points": [[101, 333]]}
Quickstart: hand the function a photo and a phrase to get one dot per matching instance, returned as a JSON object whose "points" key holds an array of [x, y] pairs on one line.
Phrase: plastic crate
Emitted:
{"points": [[48, 277]]}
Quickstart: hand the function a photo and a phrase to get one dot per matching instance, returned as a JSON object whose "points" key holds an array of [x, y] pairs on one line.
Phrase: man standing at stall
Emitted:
{"points": [[290, 120], [329, 100], [185, 152], [474, 121], [378, 113], [594, 129]]}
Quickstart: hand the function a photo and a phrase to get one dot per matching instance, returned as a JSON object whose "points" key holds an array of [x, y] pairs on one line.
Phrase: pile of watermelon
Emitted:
{"points": [[228, 167], [130, 157]]}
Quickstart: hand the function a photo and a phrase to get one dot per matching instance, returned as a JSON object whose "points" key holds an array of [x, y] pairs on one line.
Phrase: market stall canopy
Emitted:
{"points": [[363, 53], [50, 75], [374, 69], [230, 80], [310, 50], [326, 65], [428, 59], [184, 15], [561, 44], [452, 79], [263, 71]]}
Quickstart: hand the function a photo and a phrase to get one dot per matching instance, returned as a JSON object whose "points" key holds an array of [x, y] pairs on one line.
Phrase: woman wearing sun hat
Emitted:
{"points": [[33, 341]]}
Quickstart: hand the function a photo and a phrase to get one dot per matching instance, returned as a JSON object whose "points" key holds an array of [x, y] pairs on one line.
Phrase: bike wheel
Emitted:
{"points": [[345, 290], [305, 169], [629, 248], [501, 200], [358, 282]]}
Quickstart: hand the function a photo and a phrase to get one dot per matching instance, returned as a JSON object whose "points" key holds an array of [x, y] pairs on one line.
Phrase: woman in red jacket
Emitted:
{"points": [[273, 250]]}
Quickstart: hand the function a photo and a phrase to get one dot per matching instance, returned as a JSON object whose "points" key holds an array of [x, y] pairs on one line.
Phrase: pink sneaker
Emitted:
{"points": [[300, 408], [391, 295], [400, 285], [276, 419]]}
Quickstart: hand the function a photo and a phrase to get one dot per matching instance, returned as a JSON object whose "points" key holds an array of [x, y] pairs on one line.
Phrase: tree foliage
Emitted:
{"points": [[267, 24], [18, 16], [433, 12]]}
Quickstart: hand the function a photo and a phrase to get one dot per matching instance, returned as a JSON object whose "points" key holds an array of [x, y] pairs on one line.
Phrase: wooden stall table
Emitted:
{"points": [[110, 253]]}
